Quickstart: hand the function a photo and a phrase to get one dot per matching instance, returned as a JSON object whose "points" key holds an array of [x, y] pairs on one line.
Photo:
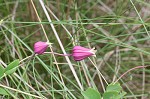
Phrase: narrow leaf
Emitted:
{"points": [[11, 68], [3, 91], [1, 71]]}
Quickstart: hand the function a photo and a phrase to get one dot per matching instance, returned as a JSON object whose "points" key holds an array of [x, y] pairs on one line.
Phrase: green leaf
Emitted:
{"points": [[110, 95], [114, 87], [1, 71], [12, 67], [3, 91], [91, 93], [120, 95], [113, 91]]}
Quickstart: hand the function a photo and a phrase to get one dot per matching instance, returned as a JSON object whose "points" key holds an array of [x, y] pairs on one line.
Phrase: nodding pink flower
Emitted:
{"points": [[40, 47], [79, 53]]}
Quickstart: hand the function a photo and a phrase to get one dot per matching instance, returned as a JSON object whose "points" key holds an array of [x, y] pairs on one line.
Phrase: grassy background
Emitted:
{"points": [[119, 29]]}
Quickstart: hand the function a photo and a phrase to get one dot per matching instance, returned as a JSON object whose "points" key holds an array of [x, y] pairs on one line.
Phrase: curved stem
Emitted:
{"points": [[28, 59], [58, 54], [31, 56], [129, 71]]}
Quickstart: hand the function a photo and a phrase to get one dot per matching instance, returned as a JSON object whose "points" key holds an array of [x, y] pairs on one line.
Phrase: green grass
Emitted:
{"points": [[119, 29]]}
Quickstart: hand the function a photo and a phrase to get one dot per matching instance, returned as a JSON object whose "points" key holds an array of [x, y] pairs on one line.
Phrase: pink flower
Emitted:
{"points": [[40, 47], [79, 53]]}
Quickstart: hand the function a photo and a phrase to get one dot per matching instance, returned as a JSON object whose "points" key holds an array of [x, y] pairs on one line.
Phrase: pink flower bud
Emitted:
{"points": [[79, 53], [40, 47]]}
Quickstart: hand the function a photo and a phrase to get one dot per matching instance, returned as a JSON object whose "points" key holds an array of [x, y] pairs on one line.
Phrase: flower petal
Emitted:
{"points": [[40, 47], [80, 53]]}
